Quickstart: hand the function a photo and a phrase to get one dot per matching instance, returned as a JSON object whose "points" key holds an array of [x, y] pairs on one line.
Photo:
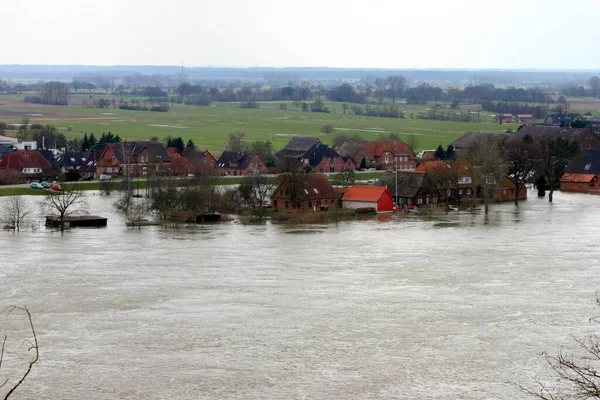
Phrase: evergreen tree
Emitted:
{"points": [[92, 141], [85, 145], [440, 154], [190, 146], [363, 164], [450, 152], [178, 143]]}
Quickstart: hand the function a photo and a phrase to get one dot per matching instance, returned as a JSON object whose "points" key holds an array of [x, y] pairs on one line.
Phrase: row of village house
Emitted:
{"points": [[149, 158], [407, 189], [153, 158]]}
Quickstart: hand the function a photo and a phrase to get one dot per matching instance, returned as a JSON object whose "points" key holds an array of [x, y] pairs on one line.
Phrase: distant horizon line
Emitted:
{"points": [[257, 67]]}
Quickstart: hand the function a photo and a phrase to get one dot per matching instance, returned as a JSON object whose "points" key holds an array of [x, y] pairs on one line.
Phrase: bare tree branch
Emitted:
{"points": [[32, 346]]}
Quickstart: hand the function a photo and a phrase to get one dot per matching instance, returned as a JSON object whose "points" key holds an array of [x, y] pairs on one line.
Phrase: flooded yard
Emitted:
{"points": [[450, 306]]}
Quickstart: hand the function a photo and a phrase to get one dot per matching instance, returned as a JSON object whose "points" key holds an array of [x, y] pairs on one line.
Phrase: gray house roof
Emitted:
{"points": [[348, 148], [409, 183], [586, 162], [71, 159]]}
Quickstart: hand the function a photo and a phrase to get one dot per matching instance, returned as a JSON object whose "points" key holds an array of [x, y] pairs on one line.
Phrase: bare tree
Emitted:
{"points": [[32, 346], [65, 203], [105, 186], [346, 177], [445, 179], [235, 142], [396, 86], [254, 191], [412, 140], [327, 129], [489, 168], [520, 162], [577, 371], [554, 155], [132, 208], [594, 84], [15, 212], [381, 85]]}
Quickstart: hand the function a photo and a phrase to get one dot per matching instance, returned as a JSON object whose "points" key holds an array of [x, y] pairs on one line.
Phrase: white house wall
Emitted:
{"points": [[359, 204]]}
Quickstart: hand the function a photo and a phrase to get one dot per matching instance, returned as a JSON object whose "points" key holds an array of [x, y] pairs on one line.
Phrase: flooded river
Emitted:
{"points": [[454, 306]]}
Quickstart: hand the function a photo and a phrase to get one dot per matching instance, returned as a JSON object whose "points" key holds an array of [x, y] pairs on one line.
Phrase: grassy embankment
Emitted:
{"points": [[209, 127]]}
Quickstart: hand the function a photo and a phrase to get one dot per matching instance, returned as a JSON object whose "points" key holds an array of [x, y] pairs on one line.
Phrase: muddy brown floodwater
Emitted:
{"points": [[452, 306]]}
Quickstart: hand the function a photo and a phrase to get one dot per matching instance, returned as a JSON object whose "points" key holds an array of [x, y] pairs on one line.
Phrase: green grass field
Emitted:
{"points": [[209, 127]]}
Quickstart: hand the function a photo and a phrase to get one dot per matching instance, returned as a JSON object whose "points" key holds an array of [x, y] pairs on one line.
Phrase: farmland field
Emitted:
{"points": [[208, 127]]}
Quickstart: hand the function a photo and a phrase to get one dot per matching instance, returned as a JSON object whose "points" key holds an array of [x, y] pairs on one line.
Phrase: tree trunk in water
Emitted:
{"points": [[486, 201], [550, 194], [517, 189]]}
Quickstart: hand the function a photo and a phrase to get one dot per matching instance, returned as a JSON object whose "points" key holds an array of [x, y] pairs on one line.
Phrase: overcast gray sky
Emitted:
{"points": [[543, 34]]}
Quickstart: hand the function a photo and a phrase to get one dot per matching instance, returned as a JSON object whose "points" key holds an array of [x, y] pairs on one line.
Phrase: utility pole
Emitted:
{"points": [[396, 166]]}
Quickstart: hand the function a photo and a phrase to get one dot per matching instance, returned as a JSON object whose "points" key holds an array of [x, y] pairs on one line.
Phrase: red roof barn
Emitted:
{"points": [[363, 196]]}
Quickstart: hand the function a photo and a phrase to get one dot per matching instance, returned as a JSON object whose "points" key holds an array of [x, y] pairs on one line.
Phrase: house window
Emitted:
{"points": [[144, 159], [318, 203], [469, 192], [109, 170], [504, 191], [331, 169], [321, 170], [465, 180], [448, 192], [386, 159], [460, 192], [310, 204], [330, 159], [420, 201]]}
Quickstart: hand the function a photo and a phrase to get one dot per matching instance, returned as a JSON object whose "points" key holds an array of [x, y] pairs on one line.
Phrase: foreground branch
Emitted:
{"points": [[32, 346]]}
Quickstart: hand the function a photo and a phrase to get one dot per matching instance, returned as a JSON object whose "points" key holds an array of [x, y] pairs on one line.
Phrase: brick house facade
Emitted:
{"points": [[303, 192], [387, 155], [239, 164]]}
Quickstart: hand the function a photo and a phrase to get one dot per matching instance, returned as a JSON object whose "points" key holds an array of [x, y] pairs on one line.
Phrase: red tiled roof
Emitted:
{"points": [[364, 193], [396, 147], [17, 160], [577, 178]]}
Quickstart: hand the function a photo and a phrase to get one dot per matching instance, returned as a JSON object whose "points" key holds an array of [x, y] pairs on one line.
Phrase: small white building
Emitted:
{"points": [[29, 145], [6, 140]]}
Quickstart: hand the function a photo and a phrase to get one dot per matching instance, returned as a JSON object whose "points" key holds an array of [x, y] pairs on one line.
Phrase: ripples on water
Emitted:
{"points": [[453, 306]]}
